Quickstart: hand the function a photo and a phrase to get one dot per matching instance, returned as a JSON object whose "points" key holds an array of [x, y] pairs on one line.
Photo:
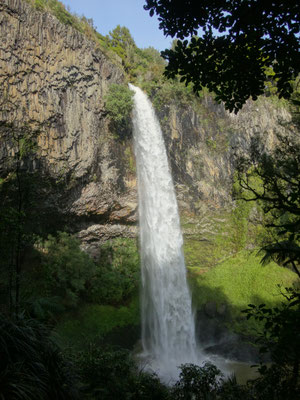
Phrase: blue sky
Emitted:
{"points": [[107, 14]]}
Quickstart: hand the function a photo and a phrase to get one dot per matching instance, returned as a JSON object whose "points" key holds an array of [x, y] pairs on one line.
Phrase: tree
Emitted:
{"points": [[122, 43], [197, 382], [279, 193], [16, 187], [110, 373], [279, 337], [67, 269], [26, 209], [240, 41], [117, 276]]}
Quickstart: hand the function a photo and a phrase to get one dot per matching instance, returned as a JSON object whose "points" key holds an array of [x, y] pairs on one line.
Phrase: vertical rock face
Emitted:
{"points": [[203, 141], [55, 79], [52, 79]]}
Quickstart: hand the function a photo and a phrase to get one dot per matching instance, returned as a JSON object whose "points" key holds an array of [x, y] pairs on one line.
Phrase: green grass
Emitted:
{"points": [[205, 250], [239, 281], [204, 254], [94, 321]]}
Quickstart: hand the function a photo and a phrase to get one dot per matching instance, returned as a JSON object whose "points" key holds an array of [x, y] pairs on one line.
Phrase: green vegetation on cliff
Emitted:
{"points": [[57, 8], [119, 104]]}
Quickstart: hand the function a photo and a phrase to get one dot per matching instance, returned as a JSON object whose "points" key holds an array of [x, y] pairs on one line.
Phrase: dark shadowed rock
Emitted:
{"points": [[210, 309]]}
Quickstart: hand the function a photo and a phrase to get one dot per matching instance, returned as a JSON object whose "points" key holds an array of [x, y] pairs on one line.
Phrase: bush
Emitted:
{"points": [[119, 104], [197, 382], [173, 91], [112, 374], [68, 270], [117, 276], [280, 337], [68, 275], [105, 373], [31, 365], [207, 383]]}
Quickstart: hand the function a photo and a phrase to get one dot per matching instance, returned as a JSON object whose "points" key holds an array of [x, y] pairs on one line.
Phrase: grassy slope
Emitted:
{"points": [[240, 280], [95, 321], [222, 271]]}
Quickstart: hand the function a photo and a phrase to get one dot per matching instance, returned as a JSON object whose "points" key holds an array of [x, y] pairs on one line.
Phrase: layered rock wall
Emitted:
{"points": [[204, 140], [53, 80]]}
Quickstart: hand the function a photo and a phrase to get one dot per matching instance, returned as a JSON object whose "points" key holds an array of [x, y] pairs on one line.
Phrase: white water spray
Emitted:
{"points": [[168, 329]]}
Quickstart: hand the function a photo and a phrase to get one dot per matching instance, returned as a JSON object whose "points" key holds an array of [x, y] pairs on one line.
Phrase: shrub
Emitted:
{"points": [[68, 269], [112, 374], [280, 337], [31, 365], [197, 382], [117, 274], [119, 104], [207, 383]]}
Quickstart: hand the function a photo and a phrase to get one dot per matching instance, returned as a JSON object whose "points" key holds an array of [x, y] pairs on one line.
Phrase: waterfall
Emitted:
{"points": [[168, 329]]}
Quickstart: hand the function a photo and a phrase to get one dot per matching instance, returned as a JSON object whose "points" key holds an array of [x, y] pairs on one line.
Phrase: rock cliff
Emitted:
{"points": [[204, 141], [53, 80]]}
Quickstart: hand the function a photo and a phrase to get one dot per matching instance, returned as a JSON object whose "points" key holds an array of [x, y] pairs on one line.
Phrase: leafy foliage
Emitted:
{"points": [[279, 194], [112, 374], [44, 308], [172, 92], [118, 104], [139, 64], [207, 383], [117, 276], [195, 381], [232, 63], [31, 365], [106, 372], [122, 43], [68, 269], [279, 337], [63, 276]]}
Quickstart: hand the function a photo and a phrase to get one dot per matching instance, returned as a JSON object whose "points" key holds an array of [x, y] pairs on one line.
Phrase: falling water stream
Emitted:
{"points": [[168, 329]]}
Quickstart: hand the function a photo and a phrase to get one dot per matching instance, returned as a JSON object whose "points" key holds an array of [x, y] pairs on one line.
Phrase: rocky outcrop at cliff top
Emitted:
{"points": [[53, 79]]}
